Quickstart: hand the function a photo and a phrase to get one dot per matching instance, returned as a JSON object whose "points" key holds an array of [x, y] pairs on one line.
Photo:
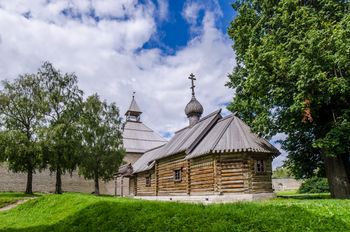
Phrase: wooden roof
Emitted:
{"points": [[231, 135], [212, 134], [138, 138], [133, 108]]}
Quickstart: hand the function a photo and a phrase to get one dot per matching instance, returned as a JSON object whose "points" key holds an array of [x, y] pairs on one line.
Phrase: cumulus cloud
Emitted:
{"points": [[102, 42], [278, 162]]}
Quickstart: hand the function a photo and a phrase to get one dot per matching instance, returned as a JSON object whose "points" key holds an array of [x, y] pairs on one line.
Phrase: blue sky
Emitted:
{"points": [[175, 32], [119, 46]]}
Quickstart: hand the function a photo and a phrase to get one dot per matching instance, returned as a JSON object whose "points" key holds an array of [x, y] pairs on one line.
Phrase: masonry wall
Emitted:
{"points": [[131, 157], [122, 186], [44, 182], [286, 184]]}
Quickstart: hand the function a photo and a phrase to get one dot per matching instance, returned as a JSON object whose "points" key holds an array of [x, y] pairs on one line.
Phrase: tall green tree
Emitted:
{"points": [[102, 151], [293, 76], [62, 141], [21, 116]]}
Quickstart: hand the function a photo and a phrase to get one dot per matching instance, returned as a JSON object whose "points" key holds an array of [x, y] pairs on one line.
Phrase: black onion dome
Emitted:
{"points": [[194, 108]]}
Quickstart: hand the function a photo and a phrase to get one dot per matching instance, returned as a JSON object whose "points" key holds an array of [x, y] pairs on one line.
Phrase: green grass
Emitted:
{"points": [[82, 212], [293, 194], [7, 198]]}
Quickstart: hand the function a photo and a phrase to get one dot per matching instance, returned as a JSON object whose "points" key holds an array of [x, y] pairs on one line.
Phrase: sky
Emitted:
{"points": [[116, 47]]}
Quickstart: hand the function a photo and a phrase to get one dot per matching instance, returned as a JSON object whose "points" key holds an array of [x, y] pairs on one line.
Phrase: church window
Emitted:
{"points": [[148, 181], [177, 175], [260, 166]]}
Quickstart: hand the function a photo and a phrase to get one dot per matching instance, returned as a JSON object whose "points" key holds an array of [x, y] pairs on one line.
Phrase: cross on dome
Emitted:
{"points": [[193, 109], [192, 78]]}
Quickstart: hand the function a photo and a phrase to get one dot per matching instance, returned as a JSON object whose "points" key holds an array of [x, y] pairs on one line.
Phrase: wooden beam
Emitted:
{"points": [[188, 177], [156, 178]]}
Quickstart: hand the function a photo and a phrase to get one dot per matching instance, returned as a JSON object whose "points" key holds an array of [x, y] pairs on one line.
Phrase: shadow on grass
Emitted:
{"points": [[307, 196], [157, 216], [17, 195]]}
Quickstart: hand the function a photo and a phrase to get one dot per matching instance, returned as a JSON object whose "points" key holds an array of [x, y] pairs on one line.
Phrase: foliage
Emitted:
{"points": [[282, 172], [314, 185], [61, 139], [102, 151], [293, 76], [79, 212], [21, 117]]}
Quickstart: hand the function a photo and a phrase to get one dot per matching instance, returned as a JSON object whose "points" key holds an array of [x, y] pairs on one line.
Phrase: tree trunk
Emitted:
{"points": [[338, 175], [58, 189], [29, 188], [97, 186]]}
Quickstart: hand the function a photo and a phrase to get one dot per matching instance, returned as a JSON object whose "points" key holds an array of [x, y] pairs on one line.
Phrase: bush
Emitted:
{"points": [[314, 185]]}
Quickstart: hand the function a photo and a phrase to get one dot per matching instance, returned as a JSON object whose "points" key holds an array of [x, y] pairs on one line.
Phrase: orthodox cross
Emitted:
{"points": [[192, 78], [133, 94]]}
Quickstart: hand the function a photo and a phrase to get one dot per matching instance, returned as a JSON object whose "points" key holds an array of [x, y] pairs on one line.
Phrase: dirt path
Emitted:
{"points": [[11, 206]]}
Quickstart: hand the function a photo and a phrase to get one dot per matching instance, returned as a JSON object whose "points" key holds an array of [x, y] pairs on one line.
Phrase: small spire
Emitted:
{"points": [[134, 112], [192, 78]]}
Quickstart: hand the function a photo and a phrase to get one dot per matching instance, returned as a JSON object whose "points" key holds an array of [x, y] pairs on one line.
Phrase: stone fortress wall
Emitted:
{"points": [[44, 182], [284, 184]]}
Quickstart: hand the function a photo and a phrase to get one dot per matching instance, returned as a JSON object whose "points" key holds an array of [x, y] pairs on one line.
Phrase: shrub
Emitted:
{"points": [[314, 185]]}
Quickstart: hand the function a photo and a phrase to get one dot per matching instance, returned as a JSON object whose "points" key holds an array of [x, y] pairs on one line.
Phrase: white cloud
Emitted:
{"points": [[191, 11], [163, 6], [108, 58], [107, 54], [278, 161]]}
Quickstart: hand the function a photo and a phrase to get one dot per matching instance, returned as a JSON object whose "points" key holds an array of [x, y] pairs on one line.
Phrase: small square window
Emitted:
{"points": [[260, 166], [148, 181], [177, 175]]}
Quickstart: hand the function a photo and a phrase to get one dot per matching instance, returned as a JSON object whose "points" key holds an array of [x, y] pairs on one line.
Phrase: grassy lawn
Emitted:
{"points": [[7, 198], [82, 212], [293, 194]]}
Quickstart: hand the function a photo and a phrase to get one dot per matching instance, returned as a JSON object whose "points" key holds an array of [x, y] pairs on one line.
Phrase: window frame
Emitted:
{"points": [[178, 178], [260, 166], [148, 181]]}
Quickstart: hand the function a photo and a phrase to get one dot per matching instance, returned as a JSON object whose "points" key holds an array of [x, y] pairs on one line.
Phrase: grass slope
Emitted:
{"points": [[80, 212], [11, 197]]}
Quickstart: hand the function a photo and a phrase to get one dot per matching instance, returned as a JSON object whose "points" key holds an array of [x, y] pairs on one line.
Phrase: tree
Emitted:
{"points": [[21, 114], [102, 151], [61, 137], [282, 172], [293, 76]]}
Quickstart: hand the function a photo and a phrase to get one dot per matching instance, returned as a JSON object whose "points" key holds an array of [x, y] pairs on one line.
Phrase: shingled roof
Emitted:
{"points": [[134, 107], [138, 138], [147, 160], [212, 134], [231, 135]]}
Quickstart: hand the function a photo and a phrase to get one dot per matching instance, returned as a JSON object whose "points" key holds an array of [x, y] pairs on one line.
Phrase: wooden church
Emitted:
{"points": [[213, 159]]}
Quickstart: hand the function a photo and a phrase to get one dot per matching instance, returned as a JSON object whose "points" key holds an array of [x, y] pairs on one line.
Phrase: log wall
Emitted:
{"points": [[165, 176], [234, 171], [141, 188], [261, 182], [207, 175], [202, 176]]}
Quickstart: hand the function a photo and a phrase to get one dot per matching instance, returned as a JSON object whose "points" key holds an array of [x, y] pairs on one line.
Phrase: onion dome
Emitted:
{"points": [[194, 108]]}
